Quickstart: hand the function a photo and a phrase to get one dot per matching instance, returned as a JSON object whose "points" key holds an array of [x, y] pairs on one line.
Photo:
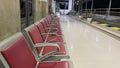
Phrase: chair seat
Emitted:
{"points": [[61, 64], [47, 49], [17, 54], [55, 39]]}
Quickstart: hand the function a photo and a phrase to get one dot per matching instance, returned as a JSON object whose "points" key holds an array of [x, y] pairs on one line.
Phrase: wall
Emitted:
{"points": [[9, 18], [44, 8], [40, 9], [10, 22], [37, 10]]}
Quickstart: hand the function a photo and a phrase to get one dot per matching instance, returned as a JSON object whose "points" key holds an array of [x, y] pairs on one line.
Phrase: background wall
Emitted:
{"points": [[40, 9], [37, 10], [9, 18], [44, 8]]}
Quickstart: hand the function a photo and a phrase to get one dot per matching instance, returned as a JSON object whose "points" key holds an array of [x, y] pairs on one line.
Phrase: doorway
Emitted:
{"points": [[26, 12]]}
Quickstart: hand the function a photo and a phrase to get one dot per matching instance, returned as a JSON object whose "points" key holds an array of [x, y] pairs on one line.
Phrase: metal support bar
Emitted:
{"points": [[86, 7], [108, 14], [72, 4], [92, 4], [81, 6]]}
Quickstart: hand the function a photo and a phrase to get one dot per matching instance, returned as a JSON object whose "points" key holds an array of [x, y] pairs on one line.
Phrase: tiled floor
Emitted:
{"points": [[88, 47]]}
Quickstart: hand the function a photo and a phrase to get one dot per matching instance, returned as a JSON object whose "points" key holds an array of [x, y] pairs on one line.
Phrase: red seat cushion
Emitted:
{"points": [[48, 49], [35, 35], [55, 39], [62, 64], [45, 25], [41, 30], [18, 55]]}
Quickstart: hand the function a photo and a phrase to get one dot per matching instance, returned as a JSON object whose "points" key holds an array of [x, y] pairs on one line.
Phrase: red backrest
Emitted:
{"points": [[45, 25], [52, 16], [35, 37], [41, 30], [46, 22], [48, 18], [18, 54]]}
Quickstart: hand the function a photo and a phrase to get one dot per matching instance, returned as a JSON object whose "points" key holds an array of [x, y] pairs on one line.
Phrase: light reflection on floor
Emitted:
{"points": [[88, 47]]}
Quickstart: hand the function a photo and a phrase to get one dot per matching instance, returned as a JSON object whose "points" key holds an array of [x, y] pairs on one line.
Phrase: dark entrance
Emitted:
{"points": [[26, 11]]}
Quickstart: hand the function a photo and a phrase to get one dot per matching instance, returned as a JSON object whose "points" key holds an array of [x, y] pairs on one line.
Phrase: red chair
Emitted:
{"points": [[34, 38], [53, 18], [53, 21], [49, 28], [52, 24], [50, 21], [49, 36], [16, 53]]}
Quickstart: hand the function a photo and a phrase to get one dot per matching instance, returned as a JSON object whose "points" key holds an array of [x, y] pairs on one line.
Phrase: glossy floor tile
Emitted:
{"points": [[89, 47]]}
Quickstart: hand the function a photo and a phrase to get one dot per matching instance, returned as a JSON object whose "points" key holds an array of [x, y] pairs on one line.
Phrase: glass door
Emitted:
{"points": [[26, 12]]}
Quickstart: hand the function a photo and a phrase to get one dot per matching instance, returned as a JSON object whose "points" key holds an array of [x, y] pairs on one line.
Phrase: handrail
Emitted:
{"points": [[103, 9], [113, 11]]}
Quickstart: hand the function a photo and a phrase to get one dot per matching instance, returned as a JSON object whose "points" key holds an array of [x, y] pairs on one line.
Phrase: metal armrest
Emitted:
{"points": [[51, 28], [51, 41], [60, 42], [55, 33], [53, 25], [49, 34], [47, 44], [69, 61]]}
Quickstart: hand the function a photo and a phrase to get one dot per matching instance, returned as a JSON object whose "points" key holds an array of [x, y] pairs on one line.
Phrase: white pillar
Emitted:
{"points": [[54, 6]]}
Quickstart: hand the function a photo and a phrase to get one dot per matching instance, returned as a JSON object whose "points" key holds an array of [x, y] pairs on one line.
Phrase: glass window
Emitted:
{"points": [[63, 5], [23, 8], [30, 7]]}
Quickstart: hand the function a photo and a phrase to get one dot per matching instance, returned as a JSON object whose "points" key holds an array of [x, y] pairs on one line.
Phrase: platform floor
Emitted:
{"points": [[89, 47]]}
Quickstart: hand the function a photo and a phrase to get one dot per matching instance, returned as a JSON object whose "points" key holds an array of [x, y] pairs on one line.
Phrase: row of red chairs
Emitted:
{"points": [[40, 45]]}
